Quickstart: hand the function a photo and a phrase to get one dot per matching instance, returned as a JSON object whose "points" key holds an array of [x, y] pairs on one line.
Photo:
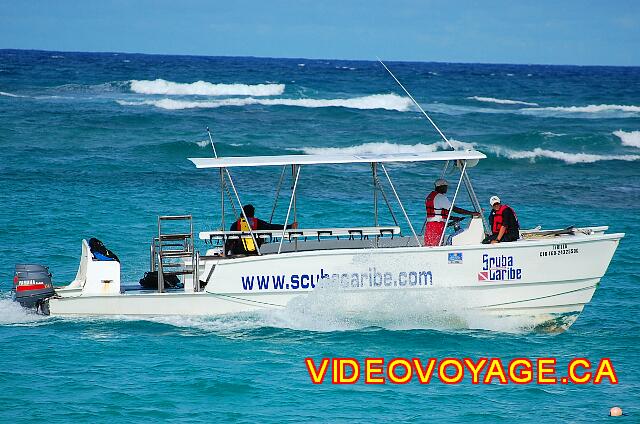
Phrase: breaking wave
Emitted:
{"points": [[583, 112], [376, 101], [582, 109], [497, 151], [631, 138], [3, 93], [501, 101], [204, 88], [384, 148], [569, 158]]}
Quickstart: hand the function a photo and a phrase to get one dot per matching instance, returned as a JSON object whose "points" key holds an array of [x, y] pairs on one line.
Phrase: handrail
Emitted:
{"points": [[174, 217], [304, 232]]}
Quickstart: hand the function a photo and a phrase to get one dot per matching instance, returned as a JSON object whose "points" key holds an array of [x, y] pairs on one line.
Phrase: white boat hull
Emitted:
{"points": [[534, 282]]}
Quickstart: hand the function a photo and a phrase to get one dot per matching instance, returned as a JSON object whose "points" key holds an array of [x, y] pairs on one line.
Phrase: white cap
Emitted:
{"points": [[441, 182], [494, 200]]}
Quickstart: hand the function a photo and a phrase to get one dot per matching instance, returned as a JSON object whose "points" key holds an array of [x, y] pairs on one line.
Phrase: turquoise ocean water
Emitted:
{"points": [[96, 145]]}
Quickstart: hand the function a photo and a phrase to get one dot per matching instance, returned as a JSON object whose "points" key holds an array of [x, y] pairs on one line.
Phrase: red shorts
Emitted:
{"points": [[432, 233]]}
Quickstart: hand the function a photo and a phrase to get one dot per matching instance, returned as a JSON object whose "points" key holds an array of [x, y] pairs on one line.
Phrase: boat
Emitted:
{"points": [[544, 278], [542, 281]]}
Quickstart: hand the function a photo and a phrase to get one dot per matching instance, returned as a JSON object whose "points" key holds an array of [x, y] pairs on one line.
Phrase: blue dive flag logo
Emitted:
{"points": [[455, 258]]}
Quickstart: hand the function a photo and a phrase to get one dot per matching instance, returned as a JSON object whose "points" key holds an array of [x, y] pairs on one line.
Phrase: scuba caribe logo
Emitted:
{"points": [[499, 268]]}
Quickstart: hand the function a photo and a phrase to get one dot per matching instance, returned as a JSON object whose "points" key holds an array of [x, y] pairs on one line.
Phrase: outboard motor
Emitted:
{"points": [[32, 287]]}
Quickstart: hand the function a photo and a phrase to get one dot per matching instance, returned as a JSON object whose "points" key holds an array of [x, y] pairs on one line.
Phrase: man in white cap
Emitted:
{"points": [[438, 208], [504, 223]]}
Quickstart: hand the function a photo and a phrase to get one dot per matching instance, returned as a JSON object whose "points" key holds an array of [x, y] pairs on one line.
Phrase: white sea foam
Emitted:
{"points": [[332, 308], [385, 148], [376, 101], [230, 326], [570, 158], [501, 101], [203, 143], [204, 88], [2, 93], [585, 109], [537, 153], [550, 134], [335, 309], [11, 313], [631, 138]]}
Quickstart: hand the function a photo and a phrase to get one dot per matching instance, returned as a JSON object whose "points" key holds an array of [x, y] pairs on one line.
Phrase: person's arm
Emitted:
{"points": [[264, 225], [465, 212], [498, 239]]}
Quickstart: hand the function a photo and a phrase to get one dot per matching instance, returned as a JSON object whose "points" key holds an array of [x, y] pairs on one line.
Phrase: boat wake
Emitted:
{"points": [[324, 311], [339, 310], [11, 313]]}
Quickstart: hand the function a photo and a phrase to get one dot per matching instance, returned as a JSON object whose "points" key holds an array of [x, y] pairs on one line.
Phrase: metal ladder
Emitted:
{"points": [[172, 252]]}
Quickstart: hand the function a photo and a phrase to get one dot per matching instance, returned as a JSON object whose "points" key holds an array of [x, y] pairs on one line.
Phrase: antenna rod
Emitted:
{"points": [[417, 105], [212, 145]]}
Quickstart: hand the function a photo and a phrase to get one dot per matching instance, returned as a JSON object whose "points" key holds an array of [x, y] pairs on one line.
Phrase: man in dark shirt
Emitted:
{"points": [[245, 245], [504, 223]]}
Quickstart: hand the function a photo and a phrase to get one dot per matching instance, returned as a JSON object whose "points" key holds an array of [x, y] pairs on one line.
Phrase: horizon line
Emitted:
{"points": [[314, 59]]}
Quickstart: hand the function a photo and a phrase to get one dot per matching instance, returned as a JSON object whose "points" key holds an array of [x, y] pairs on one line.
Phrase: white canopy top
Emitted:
{"points": [[250, 161]]}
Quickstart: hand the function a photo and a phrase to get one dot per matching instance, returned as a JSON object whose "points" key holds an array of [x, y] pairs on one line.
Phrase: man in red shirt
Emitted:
{"points": [[438, 208]]}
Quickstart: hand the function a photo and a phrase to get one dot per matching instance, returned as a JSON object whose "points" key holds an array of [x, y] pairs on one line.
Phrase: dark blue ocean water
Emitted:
{"points": [[94, 145]]}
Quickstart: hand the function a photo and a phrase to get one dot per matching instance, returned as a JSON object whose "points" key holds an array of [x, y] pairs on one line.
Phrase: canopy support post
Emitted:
{"points": [[476, 203], [275, 201], [295, 204], [374, 171], [222, 198], [294, 174], [453, 202], [386, 201], [400, 203], [293, 193], [253, 236], [215, 154]]}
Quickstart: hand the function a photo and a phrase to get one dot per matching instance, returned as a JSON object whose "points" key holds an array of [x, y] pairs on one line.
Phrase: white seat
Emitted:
{"points": [[94, 276]]}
